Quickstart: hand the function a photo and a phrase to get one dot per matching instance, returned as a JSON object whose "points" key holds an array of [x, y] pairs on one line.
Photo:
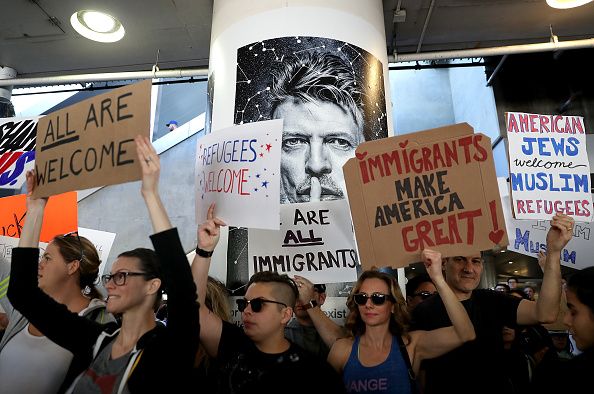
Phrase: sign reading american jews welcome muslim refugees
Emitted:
{"points": [[315, 241], [549, 169], [238, 168], [17, 150], [432, 189], [91, 143]]}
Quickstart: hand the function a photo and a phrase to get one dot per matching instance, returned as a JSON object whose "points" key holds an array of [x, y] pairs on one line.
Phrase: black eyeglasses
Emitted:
{"points": [[80, 244], [423, 294], [376, 298], [119, 278], [256, 304]]}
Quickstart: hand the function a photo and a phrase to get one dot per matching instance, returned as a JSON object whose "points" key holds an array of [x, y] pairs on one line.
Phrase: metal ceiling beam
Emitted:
{"points": [[495, 51], [103, 77]]}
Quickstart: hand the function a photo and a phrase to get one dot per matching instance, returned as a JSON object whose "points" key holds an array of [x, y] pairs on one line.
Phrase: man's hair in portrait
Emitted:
{"points": [[317, 76]]}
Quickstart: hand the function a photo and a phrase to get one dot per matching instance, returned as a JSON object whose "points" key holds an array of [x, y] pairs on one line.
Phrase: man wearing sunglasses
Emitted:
{"points": [[418, 289], [257, 358], [489, 310]]}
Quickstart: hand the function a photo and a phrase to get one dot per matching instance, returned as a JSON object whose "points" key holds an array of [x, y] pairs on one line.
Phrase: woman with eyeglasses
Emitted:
{"points": [[382, 355], [29, 361], [135, 357]]}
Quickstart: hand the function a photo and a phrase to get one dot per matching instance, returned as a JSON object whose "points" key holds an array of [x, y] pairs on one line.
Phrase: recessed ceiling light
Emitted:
{"points": [[516, 271], [564, 4], [97, 26], [510, 262]]}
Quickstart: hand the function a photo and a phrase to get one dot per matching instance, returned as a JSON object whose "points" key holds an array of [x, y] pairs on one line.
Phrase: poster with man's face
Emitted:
{"points": [[330, 95]]}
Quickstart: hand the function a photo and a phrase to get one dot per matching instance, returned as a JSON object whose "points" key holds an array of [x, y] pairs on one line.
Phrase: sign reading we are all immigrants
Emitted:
{"points": [[549, 169]]}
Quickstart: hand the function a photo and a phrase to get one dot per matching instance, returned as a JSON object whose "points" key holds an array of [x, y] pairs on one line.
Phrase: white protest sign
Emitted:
{"points": [[238, 168], [103, 242], [315, 241], [17, 150], [549, 169], [529, 237]]}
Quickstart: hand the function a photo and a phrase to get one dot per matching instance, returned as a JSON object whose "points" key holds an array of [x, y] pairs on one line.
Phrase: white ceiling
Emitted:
{"points": [[180, 29]]}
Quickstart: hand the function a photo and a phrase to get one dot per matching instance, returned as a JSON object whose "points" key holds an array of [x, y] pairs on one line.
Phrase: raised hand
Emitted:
{"points": [[150, 164], [432, 261], [209, 232], [560, 233], [33, 203], [306, 289]]}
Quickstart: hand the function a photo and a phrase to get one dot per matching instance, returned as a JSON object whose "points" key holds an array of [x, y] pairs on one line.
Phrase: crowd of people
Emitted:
{"points": [[444, 335]]}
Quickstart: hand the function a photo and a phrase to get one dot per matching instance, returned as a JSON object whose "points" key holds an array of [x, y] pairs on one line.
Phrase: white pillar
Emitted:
{"points": [[252, 40]]}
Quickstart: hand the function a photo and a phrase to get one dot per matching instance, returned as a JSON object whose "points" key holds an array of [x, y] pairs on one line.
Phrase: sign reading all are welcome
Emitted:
{"points": [[549, 169]]}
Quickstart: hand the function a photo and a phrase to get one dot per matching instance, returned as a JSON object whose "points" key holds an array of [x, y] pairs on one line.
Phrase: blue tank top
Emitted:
{"points": [[391, 376]]}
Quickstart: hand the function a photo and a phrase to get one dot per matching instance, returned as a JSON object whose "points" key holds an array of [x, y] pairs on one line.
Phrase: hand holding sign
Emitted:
{"points": [[306, 289], [560, 233], [149, 163], [33, 204], [210, 231]]}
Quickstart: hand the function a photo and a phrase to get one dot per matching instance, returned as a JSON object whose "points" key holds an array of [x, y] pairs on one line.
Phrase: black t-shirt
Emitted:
{"points": [[245, 369], [475, 366]]}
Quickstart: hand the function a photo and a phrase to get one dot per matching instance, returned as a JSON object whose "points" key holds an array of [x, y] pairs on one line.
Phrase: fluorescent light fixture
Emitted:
{"points": [[564, 4], [97, 26]]}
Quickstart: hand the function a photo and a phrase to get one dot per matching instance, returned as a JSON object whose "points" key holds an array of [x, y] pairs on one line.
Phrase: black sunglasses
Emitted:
{"points": [[423, 294], [255, 303], [376, 298], [80, 245]]}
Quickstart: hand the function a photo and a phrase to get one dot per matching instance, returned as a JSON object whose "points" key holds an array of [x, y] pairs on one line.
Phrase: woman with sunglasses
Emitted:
{"points": [[382, 355], [135, 357], [29, 361]]}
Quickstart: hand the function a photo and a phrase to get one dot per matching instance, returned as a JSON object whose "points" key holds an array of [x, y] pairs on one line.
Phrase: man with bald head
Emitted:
{"points": [[479, 360]]}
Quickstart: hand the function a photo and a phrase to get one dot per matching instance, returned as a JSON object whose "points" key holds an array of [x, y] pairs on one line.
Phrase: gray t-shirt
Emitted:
{"points": [[104, 375], [306, 337]]}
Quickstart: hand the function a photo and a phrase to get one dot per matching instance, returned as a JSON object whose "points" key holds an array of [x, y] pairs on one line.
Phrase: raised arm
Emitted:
{"points": [[151, 168], [546, 308], [34, 220], [211, 324], [434, 343], [328, 330]]}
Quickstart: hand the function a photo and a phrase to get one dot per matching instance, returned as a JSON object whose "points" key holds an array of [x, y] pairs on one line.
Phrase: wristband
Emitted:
{"points": [[203, 253]]}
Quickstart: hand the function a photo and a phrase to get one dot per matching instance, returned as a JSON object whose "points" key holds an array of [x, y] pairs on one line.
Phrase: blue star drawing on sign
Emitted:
{"points": [[265, 184], [255, 189]]}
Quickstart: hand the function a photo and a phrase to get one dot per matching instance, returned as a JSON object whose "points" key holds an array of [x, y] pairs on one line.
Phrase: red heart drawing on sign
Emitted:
{"points": [[361, 156], [496, 236], [403, 144]]}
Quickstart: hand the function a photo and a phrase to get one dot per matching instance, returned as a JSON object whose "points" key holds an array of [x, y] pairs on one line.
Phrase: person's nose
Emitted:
{"points": [[317, 161]]}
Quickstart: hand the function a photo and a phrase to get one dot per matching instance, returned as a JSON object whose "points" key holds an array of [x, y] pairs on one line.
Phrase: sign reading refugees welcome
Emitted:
{"points": [[17, 150], [315, 241], [238, 168], [91, 143], [433, 189], [549, 169]]}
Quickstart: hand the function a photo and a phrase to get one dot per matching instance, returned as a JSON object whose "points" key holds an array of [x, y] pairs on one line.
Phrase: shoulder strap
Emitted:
{"points": [[411, 375]]}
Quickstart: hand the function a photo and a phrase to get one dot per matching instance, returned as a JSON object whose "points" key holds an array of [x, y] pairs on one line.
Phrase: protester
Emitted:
{"points": [[134, 358], [489, 311], [257, 358], [383, 355], [301, 329], [575, 375], [29, 361], [418, 289]]}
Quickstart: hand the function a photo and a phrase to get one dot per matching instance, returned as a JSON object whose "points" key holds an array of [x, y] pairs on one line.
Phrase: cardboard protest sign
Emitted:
{"points": [[17, 150], [103, 242], [315, 241], [529, 237], [239, 169], [548, 166], [61, 216], [432, 189], [91, 143]]}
